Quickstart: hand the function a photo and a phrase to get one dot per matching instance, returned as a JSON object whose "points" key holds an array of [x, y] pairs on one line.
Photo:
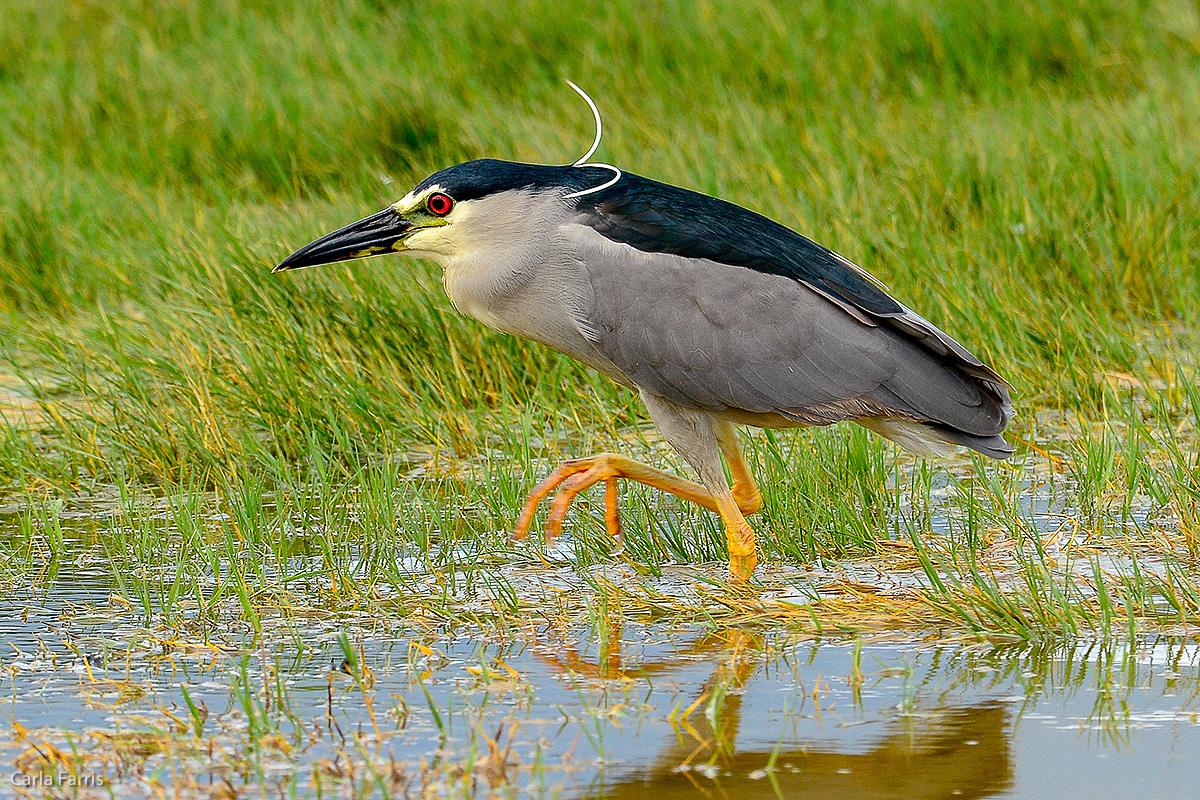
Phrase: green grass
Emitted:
{"points": [[1023, 174]]}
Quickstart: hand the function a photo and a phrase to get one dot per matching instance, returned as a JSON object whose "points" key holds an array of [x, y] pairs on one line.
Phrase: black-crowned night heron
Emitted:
{"points": [[715, 315]]}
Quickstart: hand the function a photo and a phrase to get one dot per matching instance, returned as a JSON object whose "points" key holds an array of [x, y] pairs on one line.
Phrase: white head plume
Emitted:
{"points": [[583, 160]]}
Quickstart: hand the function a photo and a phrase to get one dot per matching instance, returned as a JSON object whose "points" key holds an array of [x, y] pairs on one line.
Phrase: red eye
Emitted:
{"points": [[439, 204]]}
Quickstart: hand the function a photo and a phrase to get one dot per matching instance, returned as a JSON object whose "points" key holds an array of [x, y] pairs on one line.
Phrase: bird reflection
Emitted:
{"points": [[957, 753], [961, 752]]}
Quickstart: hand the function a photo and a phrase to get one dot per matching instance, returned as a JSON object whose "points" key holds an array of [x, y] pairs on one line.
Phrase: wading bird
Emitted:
{"points": [[715, 315]]}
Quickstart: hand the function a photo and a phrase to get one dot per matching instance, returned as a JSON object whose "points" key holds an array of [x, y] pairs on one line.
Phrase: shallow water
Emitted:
{"points": [[555, 709], [561, 696]]}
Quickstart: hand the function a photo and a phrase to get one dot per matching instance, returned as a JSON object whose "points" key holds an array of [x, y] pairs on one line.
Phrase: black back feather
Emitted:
{"points": [[661, 218]]}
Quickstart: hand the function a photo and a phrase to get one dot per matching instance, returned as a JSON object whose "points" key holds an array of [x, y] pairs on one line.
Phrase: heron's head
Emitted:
{"points": [[459, 211]]}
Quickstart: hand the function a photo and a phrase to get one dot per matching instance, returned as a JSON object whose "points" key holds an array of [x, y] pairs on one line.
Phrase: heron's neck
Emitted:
{"points": [[482, 285]]}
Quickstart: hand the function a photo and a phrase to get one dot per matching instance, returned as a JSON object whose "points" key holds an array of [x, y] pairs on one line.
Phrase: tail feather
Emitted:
{"points": [[934, 440]]}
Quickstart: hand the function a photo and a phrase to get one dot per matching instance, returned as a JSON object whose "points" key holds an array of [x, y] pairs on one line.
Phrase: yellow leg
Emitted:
{"points": [[740, 537], [745, 490], [612, 513], [578, 475]]}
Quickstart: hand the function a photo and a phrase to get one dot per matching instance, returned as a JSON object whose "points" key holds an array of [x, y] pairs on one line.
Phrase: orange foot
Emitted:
{"points": [[742, 556], [580, 474]]}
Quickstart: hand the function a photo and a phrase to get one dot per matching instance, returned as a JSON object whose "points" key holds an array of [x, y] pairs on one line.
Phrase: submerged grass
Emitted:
{"points": [[1022, 174]]}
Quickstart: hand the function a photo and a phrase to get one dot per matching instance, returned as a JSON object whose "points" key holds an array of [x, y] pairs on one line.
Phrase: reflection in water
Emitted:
{"points": [[960, 752], [940, 749]]}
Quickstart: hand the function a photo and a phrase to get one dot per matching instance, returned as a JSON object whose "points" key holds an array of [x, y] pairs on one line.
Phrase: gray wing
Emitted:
{"points": [[707, 335]]}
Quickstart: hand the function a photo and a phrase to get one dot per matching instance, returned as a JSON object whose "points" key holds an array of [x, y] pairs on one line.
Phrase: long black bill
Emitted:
{"points": [[367, 237]]}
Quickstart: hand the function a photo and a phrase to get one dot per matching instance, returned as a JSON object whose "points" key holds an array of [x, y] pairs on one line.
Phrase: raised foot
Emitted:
{"points": [[570, 479], [580, 474]]}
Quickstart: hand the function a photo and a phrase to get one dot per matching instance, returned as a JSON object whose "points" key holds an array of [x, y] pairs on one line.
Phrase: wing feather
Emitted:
{"points": [[707, 336]]}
